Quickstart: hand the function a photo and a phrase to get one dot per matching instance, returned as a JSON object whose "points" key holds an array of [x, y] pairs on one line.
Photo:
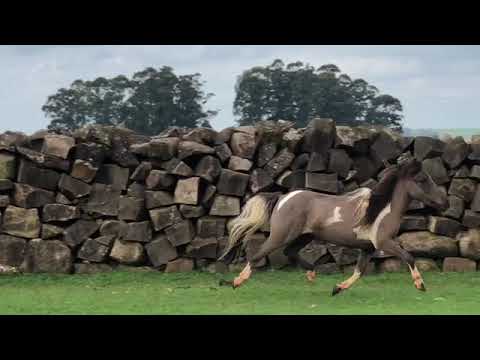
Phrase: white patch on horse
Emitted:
{"points": [[361, 192], [370, 232], [288, 197], [335, 218]]}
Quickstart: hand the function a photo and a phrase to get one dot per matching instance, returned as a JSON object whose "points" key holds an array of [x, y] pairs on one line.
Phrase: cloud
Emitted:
{"points": [[433, 82]]}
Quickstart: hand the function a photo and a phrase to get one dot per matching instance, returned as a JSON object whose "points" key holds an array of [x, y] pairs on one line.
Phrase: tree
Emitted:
{"points": [[299, 92], [149, 102]]}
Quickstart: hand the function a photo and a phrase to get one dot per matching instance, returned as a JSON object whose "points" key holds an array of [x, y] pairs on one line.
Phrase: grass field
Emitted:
{"points": [[279, 292]]}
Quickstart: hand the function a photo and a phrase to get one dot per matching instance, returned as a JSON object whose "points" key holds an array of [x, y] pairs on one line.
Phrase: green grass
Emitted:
{"points": [[271, 292]]}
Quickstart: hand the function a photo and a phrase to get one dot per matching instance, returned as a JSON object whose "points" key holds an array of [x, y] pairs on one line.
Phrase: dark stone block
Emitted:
{"points": [[164, 217], [455, 207], [471, 219], [73, 188], [12, 250], [131, 208], [78, 232], [223, 152], [211, 227], [156, 199], [27, 196], [113, 175], [142, 171], [160, 180], [317, 162], [463, 188], [208, 168], [191, 211], [426, 147], [444, 226], [103, 200], [339, 162], [322, 182], [201, 248], [435, 168], [59, 212], [94, 251], [29, 174], [279, 163], [455, 152], [180, 233], [260, 180], [232, 183], [160, 251], [138, 231], [266, 152], [413, 222]]}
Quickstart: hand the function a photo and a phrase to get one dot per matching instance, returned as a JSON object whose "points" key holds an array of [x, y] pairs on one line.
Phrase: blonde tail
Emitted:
{"points": [[253, 216]]}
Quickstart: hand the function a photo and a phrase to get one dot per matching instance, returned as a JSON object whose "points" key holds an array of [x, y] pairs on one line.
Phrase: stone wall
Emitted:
{"points": [[102, 198]]}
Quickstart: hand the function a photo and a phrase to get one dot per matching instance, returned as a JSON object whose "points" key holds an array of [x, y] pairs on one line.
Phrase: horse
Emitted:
{"points": [[365, 219]]}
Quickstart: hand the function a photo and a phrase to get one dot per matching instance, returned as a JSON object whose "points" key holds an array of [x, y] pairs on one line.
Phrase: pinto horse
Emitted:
{"points": [[365, 219]]}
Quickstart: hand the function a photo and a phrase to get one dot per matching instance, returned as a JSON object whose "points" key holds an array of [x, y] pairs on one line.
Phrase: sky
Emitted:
{"points": [[439, 86]]}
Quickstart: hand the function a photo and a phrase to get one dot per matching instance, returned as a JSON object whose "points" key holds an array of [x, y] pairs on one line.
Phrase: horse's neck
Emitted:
{"points": [[400, 200]]}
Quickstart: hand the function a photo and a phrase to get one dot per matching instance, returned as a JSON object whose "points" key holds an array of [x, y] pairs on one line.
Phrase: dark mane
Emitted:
{"points": [[383, 192]]}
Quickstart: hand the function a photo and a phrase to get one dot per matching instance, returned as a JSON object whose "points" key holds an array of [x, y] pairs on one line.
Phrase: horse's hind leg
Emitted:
{"points": [[279, 237], [395, 249], [360, 268]]}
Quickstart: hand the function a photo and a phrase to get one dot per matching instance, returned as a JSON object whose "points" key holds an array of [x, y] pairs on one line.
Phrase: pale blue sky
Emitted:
{"points": [[439, 86]]}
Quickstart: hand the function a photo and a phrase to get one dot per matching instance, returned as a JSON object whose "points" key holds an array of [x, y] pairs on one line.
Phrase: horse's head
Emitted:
{"points": [[421, 187]]}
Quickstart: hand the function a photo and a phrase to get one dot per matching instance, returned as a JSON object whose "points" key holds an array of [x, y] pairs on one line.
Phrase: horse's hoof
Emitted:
{"points": [[422, 287], [336, 290]]}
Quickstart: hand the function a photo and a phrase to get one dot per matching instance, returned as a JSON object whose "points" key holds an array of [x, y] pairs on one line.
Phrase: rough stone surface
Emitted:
{"points": [[319, 136], [132, 209], [192, 211], [456, 264], [180, 233], [260, 180], [103, 200], [392, 265], [266, 152], [211, 227], [50, 231], [455, 152], [456, 207], [27, 196], [12, 250], [279, 163], [51, 256], [180, 265], [322, 182], [202, 248], [160, 180], [160, 251], [463, 188], [469, 244], [73, 188], [83, 170], [7, 166], [32, 175], [413, 222], [223, 152], [138, 231], [6, 184], [424, 265], [243, 145], [164, 217], [177, 167], [57, 145], [471, 219], [156, 199], [113, 175], [339, 162], [435, 168], [426, 147], [21, 222], [239, 164], [208, 168], [444, 226], [426, 244], [225, 206], [129, 253], [232, 183], [80, 231], [187, 191], [94, 251], [59, 212], [142, 171], [475, 206], [189, 148], [317, 162], [116, 228]]}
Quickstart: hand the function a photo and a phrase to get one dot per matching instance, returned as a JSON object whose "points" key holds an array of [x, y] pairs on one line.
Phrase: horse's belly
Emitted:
{"points": [[340, 235]]}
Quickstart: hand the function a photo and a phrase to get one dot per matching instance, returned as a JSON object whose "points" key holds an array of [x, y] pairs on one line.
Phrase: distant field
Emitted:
{"points": [[271, 292]]}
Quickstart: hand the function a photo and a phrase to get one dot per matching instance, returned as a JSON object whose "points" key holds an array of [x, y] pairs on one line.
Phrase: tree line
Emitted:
{"points": [[154, 99]]}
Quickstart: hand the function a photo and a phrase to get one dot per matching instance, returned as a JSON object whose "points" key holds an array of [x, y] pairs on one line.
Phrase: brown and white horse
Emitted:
{"points": [[365, 219]]}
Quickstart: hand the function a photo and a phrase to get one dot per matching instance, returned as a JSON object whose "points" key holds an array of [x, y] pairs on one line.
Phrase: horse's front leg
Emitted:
{"points": [[360, 269], [394, 248]]}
